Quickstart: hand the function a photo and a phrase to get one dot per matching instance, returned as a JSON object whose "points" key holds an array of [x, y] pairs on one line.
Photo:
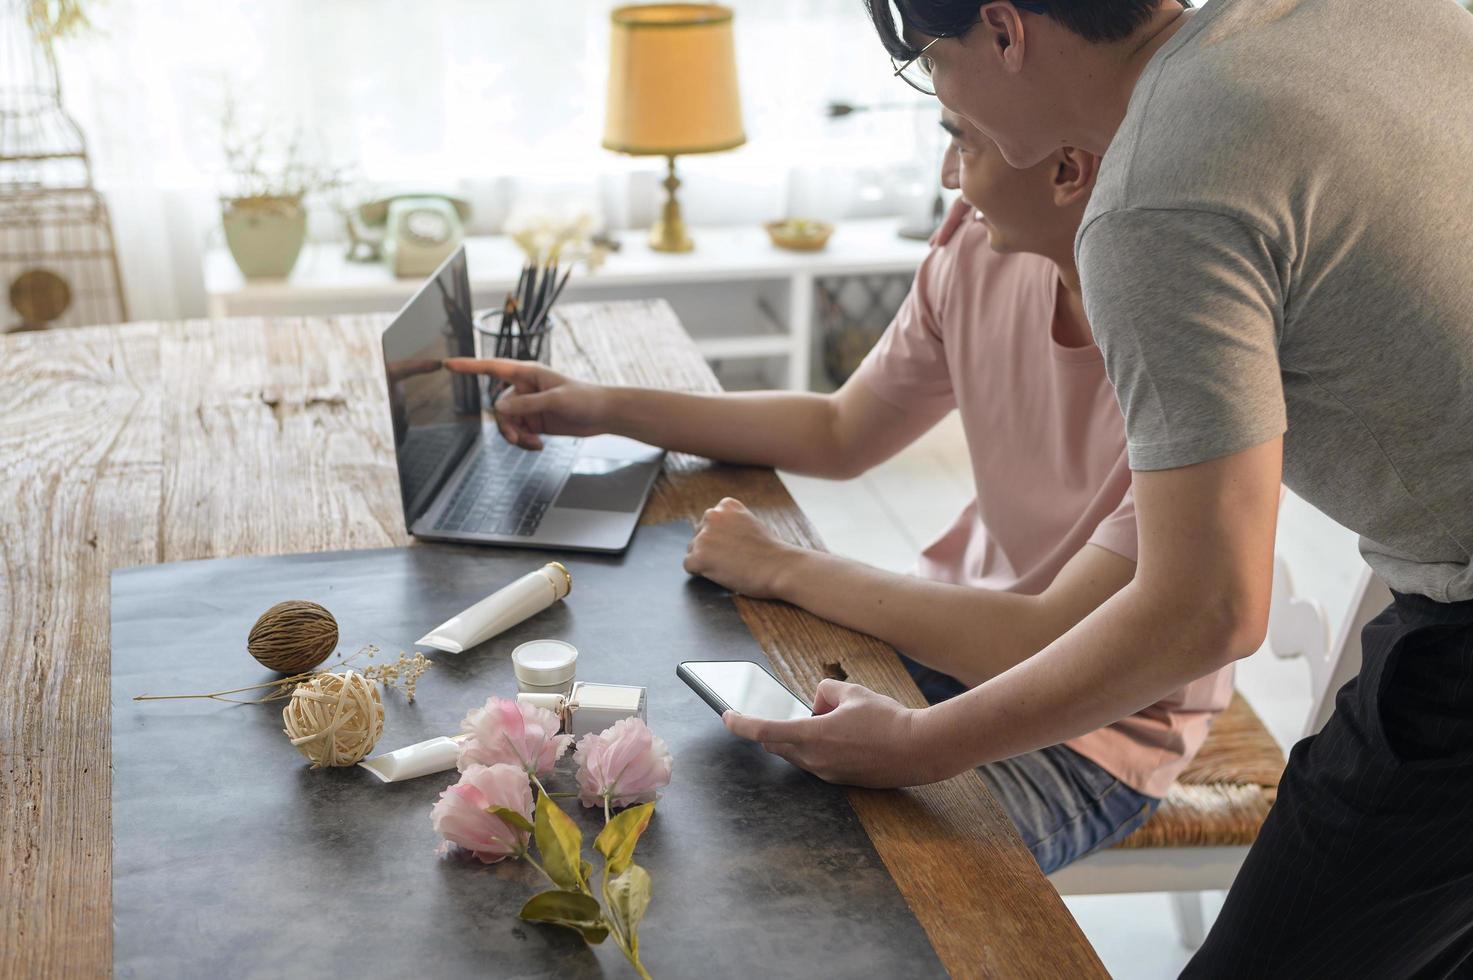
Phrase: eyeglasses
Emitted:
{"points": [[917, 71]]}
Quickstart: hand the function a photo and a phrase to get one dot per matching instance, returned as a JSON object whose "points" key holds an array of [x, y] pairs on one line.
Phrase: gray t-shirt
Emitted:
{"points": [[1281, 241]]}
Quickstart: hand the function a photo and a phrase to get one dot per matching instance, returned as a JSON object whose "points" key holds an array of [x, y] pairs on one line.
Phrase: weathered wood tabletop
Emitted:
{"points": [[160, 442]]}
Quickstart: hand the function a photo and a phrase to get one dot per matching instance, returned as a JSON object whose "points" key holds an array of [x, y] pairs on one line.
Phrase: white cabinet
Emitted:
{"points": [[738, 295]]}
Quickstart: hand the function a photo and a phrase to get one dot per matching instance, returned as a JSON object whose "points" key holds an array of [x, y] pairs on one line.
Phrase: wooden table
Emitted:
{"points": [[161, 442]]}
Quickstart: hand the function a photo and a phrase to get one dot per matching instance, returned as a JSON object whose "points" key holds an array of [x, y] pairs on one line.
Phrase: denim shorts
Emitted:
{"points": [[1064, 805]]}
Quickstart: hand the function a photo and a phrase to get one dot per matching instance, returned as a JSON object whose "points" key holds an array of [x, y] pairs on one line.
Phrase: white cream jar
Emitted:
{"points": [[545, 666]]}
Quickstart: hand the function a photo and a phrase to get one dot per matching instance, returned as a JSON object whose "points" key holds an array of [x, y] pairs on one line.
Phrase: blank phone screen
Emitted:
{"points": [[750, 690]]}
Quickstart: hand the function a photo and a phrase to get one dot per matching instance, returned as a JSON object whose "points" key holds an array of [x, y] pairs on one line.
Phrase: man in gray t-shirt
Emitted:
{"points": [[1278, 265], [1285, 240]]}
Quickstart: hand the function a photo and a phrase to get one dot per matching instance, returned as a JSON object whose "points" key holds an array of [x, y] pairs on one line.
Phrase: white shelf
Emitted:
{"points": [[731, 348], [325, 282]]}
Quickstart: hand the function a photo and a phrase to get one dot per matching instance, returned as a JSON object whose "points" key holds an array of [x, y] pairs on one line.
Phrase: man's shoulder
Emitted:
{"points": [[1208, 112], [1188, 141], [1258, 100]]}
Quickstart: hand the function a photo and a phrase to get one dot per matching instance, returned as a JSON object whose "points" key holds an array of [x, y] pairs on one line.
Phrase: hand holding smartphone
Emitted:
{"points": [[742, 686]]}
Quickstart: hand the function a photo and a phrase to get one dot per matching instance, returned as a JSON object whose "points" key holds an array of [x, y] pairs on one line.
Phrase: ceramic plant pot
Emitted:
{"points": [[265, 234]]}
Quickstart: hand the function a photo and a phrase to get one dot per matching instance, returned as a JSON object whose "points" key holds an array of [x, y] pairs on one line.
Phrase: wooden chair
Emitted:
{"points": [[1197, 839]]}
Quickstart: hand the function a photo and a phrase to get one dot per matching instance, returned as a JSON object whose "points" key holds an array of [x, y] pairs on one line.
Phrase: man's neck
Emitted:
{"points": [[1107, 76], [1070, 327]]}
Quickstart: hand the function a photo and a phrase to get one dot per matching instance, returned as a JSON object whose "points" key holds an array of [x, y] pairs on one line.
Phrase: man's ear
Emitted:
{"points": [[1074, 175], [1003, 29]]}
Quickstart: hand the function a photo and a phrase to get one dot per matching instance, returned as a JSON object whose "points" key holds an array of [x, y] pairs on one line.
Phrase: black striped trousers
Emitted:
{"points": [[1364, 867]]}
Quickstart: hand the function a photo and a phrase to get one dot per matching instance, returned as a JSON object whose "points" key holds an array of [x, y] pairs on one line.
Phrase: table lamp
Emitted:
{"points": [[672, 91]]}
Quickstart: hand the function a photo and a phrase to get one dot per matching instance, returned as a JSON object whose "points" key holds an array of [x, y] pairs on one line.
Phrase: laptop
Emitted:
{"points": [[460, 480]]}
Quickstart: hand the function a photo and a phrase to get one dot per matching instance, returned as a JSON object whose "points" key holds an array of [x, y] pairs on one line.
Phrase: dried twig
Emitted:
{"points": [[406, 671], [260, 175]]}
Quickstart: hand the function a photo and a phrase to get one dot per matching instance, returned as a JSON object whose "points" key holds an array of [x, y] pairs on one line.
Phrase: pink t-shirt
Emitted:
{"points": [[1047, 442]]}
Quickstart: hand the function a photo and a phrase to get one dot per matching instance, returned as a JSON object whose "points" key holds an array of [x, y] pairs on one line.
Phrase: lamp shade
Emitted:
{"points": [[672, 81]]}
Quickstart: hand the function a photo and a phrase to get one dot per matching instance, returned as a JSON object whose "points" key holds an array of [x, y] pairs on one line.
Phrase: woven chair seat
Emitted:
{"points": [[1223, 796]]}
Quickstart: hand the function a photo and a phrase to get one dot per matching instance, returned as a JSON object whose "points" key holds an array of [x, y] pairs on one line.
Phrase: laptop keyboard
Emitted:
{"points": [[507, 489], [426, 446]]}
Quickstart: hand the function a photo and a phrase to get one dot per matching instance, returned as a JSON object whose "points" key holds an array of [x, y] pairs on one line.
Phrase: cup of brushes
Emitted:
{"points": [[522, 329]]}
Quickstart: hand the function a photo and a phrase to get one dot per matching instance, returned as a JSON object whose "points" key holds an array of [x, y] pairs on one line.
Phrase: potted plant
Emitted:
{"points": [[264, 210]]}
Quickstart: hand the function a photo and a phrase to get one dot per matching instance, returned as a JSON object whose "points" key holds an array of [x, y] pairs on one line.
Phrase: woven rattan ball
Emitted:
{"points": [[293, 637], [334, 719]]}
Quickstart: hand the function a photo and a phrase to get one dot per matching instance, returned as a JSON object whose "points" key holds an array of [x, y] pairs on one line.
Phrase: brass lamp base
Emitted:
{"points": [[668, 233]]}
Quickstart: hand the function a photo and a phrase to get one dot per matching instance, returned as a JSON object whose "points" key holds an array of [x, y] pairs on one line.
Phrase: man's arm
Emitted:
{"points": [[971, 634], [836, 436], [1198, 601]]}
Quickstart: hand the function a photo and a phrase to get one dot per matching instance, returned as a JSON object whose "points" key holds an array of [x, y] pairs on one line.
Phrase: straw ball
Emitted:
{"points": [[334, 719], [293, 637]]}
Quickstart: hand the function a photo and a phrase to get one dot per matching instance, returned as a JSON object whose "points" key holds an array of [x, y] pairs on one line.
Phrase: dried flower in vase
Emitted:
{"points": [[264, 171], [548, 239], [55, 20]]}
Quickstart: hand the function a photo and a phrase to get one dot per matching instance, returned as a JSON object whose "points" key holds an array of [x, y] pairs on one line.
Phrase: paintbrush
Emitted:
{"points": [[521, 281], [527, 309], [505, 333], [558, 291], [529, 295], [539, 311]]}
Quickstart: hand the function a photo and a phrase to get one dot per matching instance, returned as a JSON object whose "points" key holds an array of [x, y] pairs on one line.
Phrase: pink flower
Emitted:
{"points": [[461, 818], [514, 733], [624, 764]]}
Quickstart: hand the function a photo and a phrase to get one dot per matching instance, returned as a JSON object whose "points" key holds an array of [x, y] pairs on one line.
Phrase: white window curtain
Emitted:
{"points": [[498, 100]]}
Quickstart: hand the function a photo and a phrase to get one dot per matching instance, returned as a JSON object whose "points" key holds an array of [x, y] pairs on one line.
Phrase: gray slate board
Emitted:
{"points": [[233, 859]]}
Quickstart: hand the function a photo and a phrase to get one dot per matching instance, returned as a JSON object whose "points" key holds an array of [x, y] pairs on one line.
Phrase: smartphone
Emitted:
{"points": [[744, 687]]}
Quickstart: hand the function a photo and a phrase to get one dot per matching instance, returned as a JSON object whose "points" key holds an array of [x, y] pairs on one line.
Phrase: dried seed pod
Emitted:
{"points": [[293, 637]]}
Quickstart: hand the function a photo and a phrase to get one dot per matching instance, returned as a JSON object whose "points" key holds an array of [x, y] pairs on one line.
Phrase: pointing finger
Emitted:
{"points": [[497, 367]]}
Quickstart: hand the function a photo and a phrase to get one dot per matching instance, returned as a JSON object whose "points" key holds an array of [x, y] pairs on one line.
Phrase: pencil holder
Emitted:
{"points": [[500, 336]]}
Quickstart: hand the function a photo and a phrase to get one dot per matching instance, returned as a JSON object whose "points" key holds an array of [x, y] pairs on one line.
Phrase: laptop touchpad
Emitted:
{"points": [[605, 484]]}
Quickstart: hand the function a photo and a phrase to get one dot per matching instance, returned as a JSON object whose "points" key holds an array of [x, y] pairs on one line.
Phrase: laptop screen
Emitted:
{"points": [[436, 415]]}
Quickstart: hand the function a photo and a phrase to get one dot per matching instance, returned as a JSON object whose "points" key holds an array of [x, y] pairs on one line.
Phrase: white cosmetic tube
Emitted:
{"points": [[501, 610], [413, 761]]}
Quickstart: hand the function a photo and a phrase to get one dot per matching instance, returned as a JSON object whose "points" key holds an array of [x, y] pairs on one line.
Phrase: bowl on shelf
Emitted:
{"points": [[799, 234]]}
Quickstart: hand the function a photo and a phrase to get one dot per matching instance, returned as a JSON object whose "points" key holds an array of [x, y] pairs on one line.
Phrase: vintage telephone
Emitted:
{"points": [[412, 232]]}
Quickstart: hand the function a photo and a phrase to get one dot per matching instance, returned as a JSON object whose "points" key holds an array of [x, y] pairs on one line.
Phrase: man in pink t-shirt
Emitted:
{"points": [[994, 328]]}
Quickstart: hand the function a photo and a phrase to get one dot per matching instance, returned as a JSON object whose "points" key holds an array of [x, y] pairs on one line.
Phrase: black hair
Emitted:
{"points": [[1093, 20]]}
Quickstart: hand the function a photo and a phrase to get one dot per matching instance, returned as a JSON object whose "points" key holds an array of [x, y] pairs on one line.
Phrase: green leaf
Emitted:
{"points": [[628, 896], [561, 844], [616, 841], [511, 817], [571, 910]]}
